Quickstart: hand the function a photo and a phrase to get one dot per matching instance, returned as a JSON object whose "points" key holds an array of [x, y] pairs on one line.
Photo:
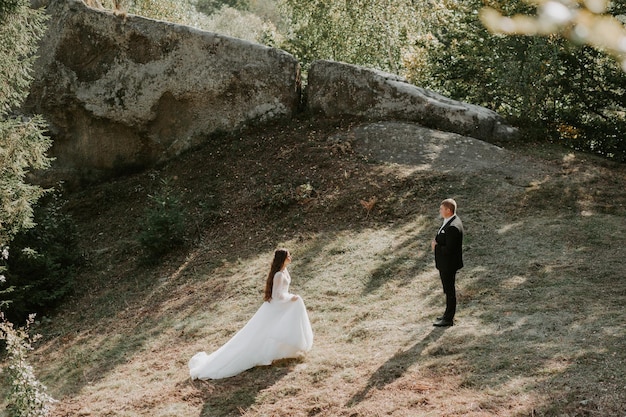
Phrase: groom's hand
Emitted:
{"points": [[433, 243]]}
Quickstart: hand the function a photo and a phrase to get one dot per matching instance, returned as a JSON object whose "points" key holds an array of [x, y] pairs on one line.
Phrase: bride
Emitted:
{"points": [[279, 329]]}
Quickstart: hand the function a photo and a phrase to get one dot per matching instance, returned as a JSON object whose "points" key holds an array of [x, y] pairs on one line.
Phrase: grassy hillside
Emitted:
{"points": [[540, 325]]}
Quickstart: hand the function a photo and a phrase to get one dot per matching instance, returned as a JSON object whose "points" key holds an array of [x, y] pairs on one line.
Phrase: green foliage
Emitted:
{"points": [[209, 7], [546, 85], [167, 10], [23, 147], [42, 261], [208, 210], [4, 256], [242, 25], [27, 396], [164, 225], [582, 22], [283, 195], [277, 196], [371, 33], [22, 141], [461, 59], [20, 31], [170, 10], [7, 7], [242, 19]]}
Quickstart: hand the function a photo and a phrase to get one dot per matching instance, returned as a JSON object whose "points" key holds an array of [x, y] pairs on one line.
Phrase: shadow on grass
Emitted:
{"points": [[404, 264], [84, 365], [396, 366], [550, 315], [233, 396]]}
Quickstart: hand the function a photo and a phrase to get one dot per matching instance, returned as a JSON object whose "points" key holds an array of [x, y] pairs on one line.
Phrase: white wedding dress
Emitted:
{"points": [[279, 329]]}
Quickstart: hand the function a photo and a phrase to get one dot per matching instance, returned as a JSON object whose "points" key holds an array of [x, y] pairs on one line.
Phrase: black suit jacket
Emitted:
{"points": [[449, 248]]}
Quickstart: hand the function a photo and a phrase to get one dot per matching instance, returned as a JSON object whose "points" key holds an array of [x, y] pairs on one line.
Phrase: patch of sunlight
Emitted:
{"points": [[169, 410], [535, 185], [428, 275], [519, 391], [617, 331], [190, 258], [508, 227], [403, 171], [513, 321], [148, 369], [513, 282], [346, 260], [554, 366], [570, 157], [473, 327], [476, 272]]}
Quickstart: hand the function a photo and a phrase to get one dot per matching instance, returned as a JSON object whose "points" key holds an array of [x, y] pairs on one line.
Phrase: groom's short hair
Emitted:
{"points": [[450, 204]]}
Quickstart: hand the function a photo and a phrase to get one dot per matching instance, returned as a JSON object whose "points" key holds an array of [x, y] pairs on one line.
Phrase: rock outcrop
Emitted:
{"points": [[122, 91], [336, 88]]}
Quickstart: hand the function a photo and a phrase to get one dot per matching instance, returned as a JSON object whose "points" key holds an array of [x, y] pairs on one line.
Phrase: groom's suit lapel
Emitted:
{"points": [[446, 224]]}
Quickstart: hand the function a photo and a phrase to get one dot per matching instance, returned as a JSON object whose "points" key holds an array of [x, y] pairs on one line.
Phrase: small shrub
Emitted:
{"points": [[43, 259], [277, 196], [164, 224], [208, 210], [27, 396], [280, 196]]}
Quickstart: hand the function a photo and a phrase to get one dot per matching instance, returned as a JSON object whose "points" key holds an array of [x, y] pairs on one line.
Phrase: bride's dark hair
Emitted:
{"points": [[280, 255]]}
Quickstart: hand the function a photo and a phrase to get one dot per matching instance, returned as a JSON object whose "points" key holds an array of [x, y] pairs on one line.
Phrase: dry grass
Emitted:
{"points": [[540, 327]]}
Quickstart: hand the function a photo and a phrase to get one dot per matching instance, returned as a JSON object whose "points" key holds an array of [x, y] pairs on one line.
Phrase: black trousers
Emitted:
{"points": [[448, 279]]}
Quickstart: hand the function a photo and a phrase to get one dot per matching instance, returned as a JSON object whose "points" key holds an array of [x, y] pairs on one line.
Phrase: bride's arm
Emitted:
{"points": [[280, 289]]}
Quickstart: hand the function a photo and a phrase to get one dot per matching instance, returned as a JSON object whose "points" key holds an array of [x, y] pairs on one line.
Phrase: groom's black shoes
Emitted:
{"points": [[441, 322]]}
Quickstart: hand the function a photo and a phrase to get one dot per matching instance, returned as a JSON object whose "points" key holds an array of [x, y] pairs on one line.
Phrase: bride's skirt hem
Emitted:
{"points": [[276, 331]]}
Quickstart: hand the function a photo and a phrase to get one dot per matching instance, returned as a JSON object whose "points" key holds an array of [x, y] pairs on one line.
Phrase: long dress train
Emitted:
{"points": [[279, 329]]}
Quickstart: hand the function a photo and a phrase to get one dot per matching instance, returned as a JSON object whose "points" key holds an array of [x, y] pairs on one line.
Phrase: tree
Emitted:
{"points": [[23, 147], [23, 144], [371, 33], [545, 84], [181, 12]]}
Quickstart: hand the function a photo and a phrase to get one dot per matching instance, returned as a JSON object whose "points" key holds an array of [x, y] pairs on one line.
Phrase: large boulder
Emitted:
{"points": [[122, 91], [338, 89]]}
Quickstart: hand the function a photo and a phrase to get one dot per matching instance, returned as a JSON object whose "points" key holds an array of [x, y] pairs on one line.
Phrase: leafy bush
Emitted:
{"points": [[27, 396], [276, 196], [164, 225], [283, 195], [209, 7], [43, 259]]}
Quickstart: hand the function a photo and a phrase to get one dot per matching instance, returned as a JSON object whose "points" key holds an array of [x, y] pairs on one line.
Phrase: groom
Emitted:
{"points": [[448, 249]]}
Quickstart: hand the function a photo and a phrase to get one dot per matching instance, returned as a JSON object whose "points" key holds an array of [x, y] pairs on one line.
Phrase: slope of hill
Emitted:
{"points": [[540, 328]]}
